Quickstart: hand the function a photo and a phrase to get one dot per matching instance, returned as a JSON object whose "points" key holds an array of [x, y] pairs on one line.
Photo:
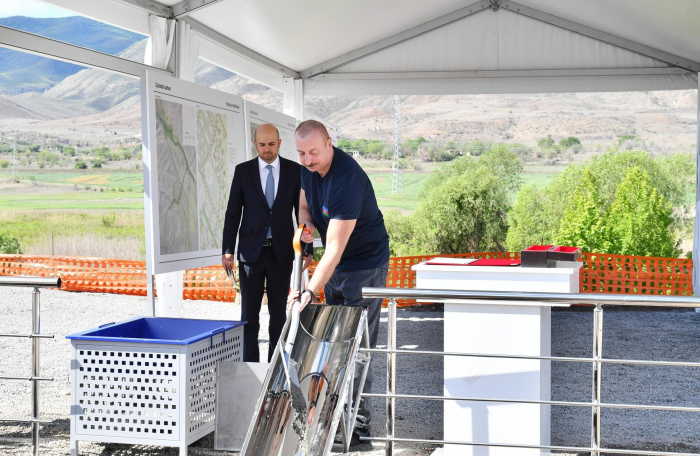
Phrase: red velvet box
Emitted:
{"points": [[564, 253], [536, 256]]}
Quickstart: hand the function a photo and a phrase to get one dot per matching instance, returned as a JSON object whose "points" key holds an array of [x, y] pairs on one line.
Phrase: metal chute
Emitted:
{"points": [[325, 350]]}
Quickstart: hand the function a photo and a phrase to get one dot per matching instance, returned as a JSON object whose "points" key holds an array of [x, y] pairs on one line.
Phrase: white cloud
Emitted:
{"points": [[31, 8]]}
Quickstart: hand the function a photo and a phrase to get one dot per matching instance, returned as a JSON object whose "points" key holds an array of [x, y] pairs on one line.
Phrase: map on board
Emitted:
{"points": [[177, 181], [212, 183], [194, 137]]}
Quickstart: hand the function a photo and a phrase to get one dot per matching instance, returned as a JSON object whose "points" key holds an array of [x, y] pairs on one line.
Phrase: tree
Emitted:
{"points": [[97, 162], [463, 205], [640, 219], [69, 151], [376, 147], [80, 165], [568, 142], [34, 148], [402, 242], [528, 221], [546, 143], [475, 148], [411, 145], [674, 179], [48, 157], [584, 222], [4, 164]]}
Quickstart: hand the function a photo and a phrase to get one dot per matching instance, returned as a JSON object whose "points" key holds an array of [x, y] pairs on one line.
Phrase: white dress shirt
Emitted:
{"points": [[264, 172]]}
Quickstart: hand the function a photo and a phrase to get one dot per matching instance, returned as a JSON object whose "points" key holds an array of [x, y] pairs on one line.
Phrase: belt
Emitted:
{"points": [[267, 242]]}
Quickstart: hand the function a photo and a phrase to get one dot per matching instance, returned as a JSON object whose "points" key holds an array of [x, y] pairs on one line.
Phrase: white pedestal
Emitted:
{"points": [[169, 286], [497, 327]]}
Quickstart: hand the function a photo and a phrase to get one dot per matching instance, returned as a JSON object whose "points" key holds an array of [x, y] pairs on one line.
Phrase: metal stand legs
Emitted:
{"points": [[391, 378], [597, 367]]}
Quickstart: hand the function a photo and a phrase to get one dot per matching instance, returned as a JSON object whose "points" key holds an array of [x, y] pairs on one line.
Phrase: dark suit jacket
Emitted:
{"points": [[248, 199]]}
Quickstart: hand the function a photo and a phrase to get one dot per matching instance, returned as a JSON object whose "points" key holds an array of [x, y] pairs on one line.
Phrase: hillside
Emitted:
{"points": [[21, 72]]}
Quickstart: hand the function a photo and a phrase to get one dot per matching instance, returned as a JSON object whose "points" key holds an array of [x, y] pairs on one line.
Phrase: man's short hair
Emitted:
{"points": [[308, 126], [255, 135]]}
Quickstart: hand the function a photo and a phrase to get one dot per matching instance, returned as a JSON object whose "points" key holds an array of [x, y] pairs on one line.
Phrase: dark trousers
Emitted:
{"points": [[345, 289], [253, 278]]}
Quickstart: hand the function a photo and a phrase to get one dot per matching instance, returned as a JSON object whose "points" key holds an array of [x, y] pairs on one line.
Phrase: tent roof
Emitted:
{"points": [[441, 46], [301, 35]]}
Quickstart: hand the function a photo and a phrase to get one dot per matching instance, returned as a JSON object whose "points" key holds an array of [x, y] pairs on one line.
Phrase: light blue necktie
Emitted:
{"points": [[270, 194]]}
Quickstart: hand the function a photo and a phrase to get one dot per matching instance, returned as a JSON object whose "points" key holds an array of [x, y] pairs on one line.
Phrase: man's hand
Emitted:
{"points": [[307, 262], [227, 261], [308, 234], [305, 299]]}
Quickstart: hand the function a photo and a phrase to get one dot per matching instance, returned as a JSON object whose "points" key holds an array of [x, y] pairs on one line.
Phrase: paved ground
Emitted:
{"points": [[642, 334]]}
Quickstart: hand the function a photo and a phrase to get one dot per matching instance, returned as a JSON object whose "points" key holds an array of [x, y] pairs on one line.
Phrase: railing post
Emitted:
{"points": [[36, 329], [597, 367], [391, 377]]}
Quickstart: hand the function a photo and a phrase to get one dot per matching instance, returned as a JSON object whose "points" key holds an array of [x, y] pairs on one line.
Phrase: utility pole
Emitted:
{"points": [[14, 156], [397, 180]]}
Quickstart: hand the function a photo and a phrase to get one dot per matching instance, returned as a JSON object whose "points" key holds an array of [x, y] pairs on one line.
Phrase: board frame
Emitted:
{"points": [[165, 87]]}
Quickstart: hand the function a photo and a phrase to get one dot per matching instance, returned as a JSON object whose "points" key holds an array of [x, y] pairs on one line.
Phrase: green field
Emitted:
{"points": [[127, 181], [76, 200], [408, 201]]}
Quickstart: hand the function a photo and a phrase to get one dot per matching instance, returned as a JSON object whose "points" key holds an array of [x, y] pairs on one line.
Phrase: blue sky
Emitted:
{"points": [[31, 8]]}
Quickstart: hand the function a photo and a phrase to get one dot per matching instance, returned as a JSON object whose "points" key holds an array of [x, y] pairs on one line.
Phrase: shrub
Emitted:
{"points": [[108, 220], [9, 244], [4, 164], [569, 142]]}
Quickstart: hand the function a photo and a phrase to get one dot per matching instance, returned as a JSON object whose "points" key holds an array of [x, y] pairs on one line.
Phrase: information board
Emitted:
{"points": [[193, 138], [256, 115]]}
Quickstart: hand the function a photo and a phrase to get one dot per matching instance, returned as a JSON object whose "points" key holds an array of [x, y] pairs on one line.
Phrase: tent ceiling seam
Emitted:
{"points": [[398, 38], [187, 7], [149, 6], [513, 7], [488, 74], [605, 37]]}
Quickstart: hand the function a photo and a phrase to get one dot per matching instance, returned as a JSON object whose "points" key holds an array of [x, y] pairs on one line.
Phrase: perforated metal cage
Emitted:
{"points": [[156, 394]]}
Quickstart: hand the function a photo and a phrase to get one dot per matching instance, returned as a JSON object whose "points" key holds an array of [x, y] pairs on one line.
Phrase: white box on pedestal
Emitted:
{"points": [[497, 327]]}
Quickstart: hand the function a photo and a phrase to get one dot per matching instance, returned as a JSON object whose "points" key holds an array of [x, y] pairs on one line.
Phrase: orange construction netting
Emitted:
{"points": [[601, 273], [627, 274]]}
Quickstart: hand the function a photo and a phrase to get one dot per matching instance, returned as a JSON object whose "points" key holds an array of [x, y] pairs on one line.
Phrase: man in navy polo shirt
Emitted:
{"points": [[337, 198]]}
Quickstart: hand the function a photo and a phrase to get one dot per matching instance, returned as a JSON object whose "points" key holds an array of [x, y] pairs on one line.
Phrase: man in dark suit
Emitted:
{"points": [[265, 192]]}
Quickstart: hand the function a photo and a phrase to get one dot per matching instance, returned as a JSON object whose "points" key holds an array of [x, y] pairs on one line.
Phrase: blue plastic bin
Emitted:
{"points": [[173, 331], [149, 381]]}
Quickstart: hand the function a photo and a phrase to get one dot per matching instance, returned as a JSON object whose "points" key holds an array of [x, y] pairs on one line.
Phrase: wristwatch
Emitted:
{"points": [[310, 292]]}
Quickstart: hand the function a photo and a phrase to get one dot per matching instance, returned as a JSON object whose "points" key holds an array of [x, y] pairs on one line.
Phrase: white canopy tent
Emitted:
{"points": [[406, 47]]}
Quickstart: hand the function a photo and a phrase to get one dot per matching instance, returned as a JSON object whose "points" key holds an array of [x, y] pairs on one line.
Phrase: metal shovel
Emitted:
{"points": [[288, 365]]}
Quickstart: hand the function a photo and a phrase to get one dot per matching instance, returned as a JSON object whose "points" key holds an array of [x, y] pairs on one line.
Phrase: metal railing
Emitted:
{"points": [[546, 298], [35, 336]]}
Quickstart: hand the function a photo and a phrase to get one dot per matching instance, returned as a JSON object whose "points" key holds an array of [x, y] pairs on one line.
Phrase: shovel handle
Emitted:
{"points": [[293, 326]]}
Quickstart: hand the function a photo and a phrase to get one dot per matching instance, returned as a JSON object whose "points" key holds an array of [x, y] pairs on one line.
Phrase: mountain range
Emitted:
{"points": [[21, 72], [48, 96]]}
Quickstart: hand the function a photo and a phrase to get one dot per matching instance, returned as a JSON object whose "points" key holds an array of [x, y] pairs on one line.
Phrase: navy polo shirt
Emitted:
{"points": [[346, 193]]}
